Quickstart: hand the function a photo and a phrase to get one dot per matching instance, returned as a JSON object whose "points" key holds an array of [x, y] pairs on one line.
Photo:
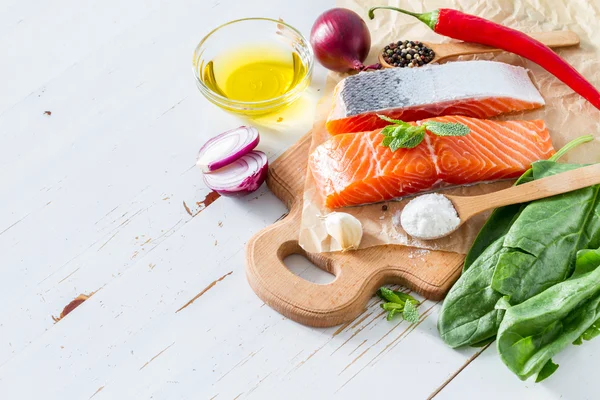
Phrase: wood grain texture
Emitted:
{"points": [[358, 274], [554, 39], [468, 206]]}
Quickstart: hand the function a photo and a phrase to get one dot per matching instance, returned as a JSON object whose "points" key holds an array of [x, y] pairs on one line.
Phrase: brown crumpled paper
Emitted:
{"points": [[566, 113]]}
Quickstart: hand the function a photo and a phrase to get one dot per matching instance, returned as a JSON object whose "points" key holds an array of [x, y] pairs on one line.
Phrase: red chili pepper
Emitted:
{"points": [[470, 28]]}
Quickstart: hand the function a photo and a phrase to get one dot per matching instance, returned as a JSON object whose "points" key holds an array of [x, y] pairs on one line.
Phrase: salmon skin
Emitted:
{"points": [[479, 89], [354, 169]]}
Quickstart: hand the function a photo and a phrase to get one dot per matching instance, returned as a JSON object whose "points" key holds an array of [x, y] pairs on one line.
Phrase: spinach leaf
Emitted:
{"points": [[532, 332], [468, 315], [542, 243], [517, 255], [548, 369], [589, 333], [587, 261], [502, 218]]}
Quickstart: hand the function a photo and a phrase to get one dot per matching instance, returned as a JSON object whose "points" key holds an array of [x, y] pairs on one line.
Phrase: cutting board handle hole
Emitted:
{"points": [[302, 267]]}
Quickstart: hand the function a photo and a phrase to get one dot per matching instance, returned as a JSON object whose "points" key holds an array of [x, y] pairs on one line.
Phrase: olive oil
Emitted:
{"points": [[255, 73]]}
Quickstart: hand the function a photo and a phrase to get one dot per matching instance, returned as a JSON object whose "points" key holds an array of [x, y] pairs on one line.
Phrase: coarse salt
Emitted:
{"points": [[429, 216]]}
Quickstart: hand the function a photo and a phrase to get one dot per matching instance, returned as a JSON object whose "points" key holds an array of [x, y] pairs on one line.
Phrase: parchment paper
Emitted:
{"points": [[566, 113]]}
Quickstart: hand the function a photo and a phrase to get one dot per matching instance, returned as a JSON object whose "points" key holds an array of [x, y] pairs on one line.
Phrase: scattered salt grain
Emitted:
{"points": [[429, 216], [418, 253]]}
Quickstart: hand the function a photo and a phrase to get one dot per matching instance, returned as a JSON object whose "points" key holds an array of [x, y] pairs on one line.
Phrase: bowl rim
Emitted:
{"points": [[262, 103]]}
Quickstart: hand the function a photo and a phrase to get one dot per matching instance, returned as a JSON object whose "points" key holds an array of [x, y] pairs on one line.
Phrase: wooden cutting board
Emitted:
{"points": [[358, 274]]}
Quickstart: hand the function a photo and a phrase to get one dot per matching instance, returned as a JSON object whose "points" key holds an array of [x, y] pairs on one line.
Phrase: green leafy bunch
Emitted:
{"points": [[401, 135], [399, 303]]}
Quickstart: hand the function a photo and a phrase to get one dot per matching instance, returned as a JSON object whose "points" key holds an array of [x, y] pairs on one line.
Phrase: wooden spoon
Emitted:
{"points": [[469, 206], [554, 39]]}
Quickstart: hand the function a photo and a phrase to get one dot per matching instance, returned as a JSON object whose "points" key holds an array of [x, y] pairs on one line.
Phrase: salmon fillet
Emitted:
{"points": [[354, 169], [478, 89]]}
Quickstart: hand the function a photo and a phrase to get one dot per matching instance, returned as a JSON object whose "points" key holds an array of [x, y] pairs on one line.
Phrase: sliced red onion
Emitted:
{"points": [[227, 147], [241, 177]]}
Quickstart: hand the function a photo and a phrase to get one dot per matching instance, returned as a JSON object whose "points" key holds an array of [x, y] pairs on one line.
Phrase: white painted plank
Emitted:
{"points": [[87, 183], [136, 313], [574, 379]]}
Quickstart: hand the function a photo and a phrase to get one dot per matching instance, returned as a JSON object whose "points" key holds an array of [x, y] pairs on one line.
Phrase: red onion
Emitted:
{"points": [[242, 176], [227, 147], [341, 40]]}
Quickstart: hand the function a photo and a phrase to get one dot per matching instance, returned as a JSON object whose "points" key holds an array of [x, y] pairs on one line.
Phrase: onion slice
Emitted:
{"points": [[241, 177], [227, 147]]}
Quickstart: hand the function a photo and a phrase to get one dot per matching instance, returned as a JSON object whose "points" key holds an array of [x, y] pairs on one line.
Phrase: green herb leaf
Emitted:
{"points": [[406, 297], [392, 309], [394, 296], [393, 121], [447, 128], [386, 294], [387, 141], [389, 295], [402, 135], [409, 140], [393, 306], [389, 131], [548, 369], [396, 303], [410, 313]]}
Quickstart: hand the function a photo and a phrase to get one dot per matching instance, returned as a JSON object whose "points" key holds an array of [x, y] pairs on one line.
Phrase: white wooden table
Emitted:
{"points": [[100, 195]]}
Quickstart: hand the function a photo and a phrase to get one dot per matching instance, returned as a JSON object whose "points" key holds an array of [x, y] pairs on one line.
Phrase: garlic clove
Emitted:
{"points": [[344, 229]]}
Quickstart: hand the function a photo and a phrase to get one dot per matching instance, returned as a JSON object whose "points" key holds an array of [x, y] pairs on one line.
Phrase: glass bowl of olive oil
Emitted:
{"points": [[253, 66]]}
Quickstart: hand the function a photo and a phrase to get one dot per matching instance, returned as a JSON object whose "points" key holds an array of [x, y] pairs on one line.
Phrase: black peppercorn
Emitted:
{"points": [[407, 53]]}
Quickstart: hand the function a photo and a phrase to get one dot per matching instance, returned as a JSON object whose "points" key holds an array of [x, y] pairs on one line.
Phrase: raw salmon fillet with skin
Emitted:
{"points": [[354, 169], [479, 89]]}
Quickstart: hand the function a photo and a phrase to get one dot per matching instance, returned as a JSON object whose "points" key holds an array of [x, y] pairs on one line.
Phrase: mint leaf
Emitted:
{"points": [[402, 135], [393, 121], [409, 139], [398, 137], [405, 297], [396, 303], [390, 130], [410, 313], [447, 128], [389, 295], [393, 306], [392, 309], [387, 141], [548, 369]]}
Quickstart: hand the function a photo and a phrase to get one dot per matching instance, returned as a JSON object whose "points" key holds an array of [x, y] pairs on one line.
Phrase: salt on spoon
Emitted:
{"points": [[432, 216], [429, 216]]}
